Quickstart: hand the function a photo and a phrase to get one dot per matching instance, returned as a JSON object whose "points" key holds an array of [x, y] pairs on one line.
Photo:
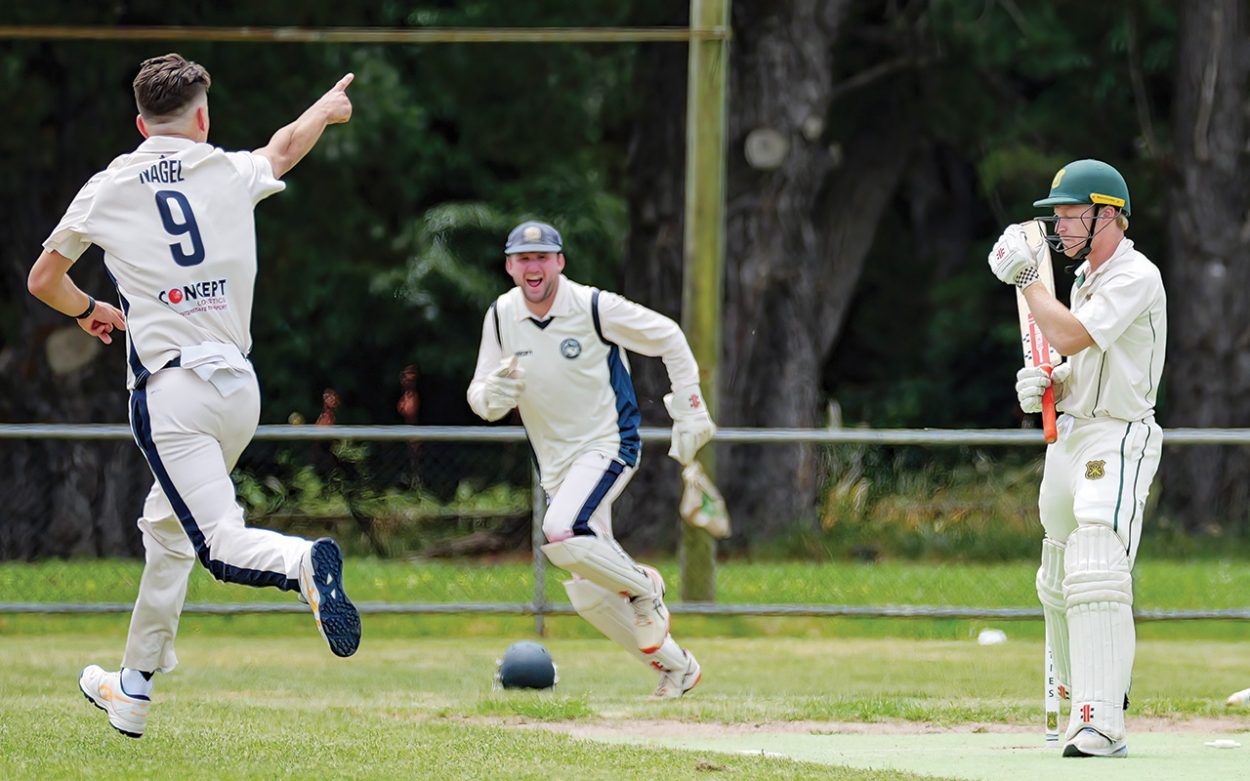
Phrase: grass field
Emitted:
{"points": [[260, 696]]}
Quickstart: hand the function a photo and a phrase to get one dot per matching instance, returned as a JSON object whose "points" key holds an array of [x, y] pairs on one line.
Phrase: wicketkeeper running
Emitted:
{"points": [[555, 350]]}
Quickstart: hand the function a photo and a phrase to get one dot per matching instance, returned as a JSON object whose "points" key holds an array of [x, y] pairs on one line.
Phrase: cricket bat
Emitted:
{"points": [[1036, 348], [1051, 698]]}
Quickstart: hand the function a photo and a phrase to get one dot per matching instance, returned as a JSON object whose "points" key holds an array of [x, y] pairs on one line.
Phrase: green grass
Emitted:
{"points": [[1160, 584], [417, 700], [424, 708], [284, 708]]}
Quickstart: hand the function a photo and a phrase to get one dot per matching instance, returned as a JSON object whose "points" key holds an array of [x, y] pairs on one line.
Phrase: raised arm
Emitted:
{"points": [[289, 145]]}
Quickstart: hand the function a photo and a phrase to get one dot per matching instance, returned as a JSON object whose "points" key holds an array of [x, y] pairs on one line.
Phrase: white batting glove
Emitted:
{"points": [[692, 425], [1032, 382], [1012, 260], [504, 385]]}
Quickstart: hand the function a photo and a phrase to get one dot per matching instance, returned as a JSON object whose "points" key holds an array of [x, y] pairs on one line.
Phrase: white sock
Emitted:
{"points": [[134, 684]]}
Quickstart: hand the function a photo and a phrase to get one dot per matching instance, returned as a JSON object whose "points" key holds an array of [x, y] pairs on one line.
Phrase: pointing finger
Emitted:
{"points": [[344, 82]]}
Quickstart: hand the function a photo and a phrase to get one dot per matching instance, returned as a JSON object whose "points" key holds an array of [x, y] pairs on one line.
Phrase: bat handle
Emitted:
{"points": [[1049, 427]]}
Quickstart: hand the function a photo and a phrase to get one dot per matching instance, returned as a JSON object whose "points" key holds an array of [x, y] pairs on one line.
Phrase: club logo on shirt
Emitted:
{"points": [[570, 348], [196, 297], [1095, 470]]}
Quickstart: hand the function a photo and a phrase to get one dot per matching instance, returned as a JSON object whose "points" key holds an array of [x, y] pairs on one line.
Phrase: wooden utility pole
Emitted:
{"points": [[704, 249]]}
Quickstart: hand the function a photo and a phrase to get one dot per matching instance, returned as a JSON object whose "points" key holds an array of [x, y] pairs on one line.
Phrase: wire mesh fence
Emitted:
{"points": [[445, 520]]}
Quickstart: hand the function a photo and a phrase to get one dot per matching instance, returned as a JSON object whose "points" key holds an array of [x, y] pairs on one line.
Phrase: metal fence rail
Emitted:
{"points": [[742, 436], [539, 606], [373, 35], [564, 609], [817, 436]]}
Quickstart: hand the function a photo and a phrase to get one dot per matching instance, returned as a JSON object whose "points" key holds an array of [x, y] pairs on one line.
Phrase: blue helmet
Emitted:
{"points": [[533, 237], [526, 665]]}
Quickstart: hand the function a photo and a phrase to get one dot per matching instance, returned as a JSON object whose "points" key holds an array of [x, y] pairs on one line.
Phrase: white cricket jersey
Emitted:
{"points": [[578, 395], [1124, 308], [174, 219]]}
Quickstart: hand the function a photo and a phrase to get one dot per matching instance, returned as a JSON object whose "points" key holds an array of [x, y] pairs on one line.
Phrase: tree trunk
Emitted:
{"points": [[653, 276], [1208, 271], [796, 238], [803, 233]]}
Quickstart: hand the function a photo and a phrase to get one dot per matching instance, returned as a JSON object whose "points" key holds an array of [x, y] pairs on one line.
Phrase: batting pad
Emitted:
{"points": [[602, 562], [611, 614], [1055, 607], [1102, 640]]}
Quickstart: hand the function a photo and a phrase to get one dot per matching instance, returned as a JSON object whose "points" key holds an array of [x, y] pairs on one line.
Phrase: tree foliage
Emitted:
{"points": [[385, 249]]}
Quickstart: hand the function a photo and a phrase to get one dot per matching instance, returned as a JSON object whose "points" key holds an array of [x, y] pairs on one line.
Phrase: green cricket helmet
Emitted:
{"points": [[1088, 181]]}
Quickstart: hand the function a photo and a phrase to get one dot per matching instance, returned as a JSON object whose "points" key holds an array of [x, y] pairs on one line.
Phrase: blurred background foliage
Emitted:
{"points": [[385, 249]]}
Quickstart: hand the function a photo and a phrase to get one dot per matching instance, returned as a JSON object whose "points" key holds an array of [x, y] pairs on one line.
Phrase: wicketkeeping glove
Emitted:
{"points": [[1012, 259], [692, 425], [504, 385]]}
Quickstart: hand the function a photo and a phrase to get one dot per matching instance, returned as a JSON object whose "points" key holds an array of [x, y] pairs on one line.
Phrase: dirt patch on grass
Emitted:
{"points": [[656, 728]]}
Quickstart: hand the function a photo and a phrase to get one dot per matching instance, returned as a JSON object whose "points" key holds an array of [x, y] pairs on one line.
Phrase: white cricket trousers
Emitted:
{"points": [[192, 437], [582, 500], [1099, 472]]}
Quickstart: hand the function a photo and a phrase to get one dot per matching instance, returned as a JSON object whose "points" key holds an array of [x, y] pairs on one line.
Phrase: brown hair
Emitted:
{"points": [[166, 84]]}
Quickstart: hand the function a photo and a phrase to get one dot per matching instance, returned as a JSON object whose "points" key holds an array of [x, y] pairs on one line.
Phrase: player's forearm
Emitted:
{"points": [[64, 296], [679, 361], [53, 287], [291, 143], [1062, 329]]}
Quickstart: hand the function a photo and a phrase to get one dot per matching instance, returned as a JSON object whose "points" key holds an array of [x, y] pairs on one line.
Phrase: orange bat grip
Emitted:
{"points": [[1049, 428]]}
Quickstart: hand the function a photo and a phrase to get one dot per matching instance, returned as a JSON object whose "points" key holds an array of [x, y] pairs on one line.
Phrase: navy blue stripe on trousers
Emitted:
{"points": [[581, 524], [141, 425]]}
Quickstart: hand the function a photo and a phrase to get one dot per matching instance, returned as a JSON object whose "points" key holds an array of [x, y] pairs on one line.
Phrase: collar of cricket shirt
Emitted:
{"points": [[1122, 250], [158, 144]]}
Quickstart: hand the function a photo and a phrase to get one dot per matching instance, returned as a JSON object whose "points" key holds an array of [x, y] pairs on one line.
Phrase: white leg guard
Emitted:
{"points": [[611, 614], [1099, 591], [603, 563], [1055, 608]]}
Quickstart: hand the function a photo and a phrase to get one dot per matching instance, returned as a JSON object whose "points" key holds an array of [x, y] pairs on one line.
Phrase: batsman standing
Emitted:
{"points": [[1098, 474], [555, 350], [175, 221]]}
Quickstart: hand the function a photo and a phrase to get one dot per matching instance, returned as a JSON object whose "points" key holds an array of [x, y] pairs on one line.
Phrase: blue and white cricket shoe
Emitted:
{"points": [[321, 586], [127, 713]]}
